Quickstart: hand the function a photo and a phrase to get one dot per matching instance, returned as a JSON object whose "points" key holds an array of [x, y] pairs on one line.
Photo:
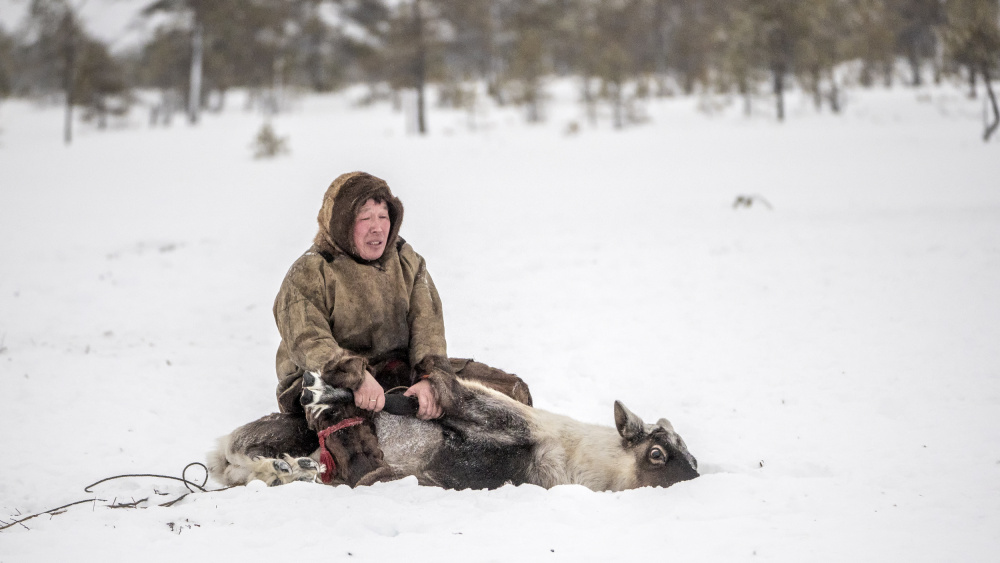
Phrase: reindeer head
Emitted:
{"points": [[661, 456]]}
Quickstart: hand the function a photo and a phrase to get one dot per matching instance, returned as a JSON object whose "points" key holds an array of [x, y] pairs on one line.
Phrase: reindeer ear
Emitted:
{"points": [[629, 425], [665, 424]]}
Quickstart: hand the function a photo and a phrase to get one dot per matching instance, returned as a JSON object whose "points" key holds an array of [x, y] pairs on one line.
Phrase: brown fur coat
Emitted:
{"points": [[339, 314]]}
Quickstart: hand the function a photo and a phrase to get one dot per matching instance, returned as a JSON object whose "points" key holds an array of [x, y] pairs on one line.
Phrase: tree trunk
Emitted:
{"points": [[420, 69], [69, 72], [534, 111], [68, 122], [170, 104], [617, 114], [834, 96], [590, 101], [867, 75], [278, 87], [938, 61], [914, 59], [194, 93], [660, 19], [990, 128], [421, 104], [744, 90], [220, 104], [779, 92], [817, 80], [491, 71]]}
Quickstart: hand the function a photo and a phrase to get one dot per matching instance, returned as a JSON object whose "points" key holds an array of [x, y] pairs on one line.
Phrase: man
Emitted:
{"points": [[360, 309]]}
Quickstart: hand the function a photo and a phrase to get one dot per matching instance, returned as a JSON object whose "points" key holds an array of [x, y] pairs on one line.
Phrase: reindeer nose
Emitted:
{"points": [[691, 473]]}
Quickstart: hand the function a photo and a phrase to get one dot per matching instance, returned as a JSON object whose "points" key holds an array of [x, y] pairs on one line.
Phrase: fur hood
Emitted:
{"points": [[343, 199]]}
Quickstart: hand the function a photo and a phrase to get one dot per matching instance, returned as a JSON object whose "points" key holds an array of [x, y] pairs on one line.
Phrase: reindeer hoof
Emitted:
{"points": [[304, 469], [308, 464], [276, 472]]}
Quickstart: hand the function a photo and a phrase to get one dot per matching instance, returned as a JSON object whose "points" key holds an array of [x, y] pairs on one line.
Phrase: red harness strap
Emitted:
{"points": [[325, 457]]}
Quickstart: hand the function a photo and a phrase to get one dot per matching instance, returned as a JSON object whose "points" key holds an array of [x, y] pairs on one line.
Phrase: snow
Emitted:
{"points": [[832, 362]]}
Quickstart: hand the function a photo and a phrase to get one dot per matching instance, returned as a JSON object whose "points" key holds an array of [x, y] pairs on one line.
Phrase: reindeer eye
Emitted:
{"points": [[657, 455]]}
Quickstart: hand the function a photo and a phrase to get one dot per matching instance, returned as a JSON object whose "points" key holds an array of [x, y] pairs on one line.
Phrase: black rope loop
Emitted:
{"points": [[183, 478]]}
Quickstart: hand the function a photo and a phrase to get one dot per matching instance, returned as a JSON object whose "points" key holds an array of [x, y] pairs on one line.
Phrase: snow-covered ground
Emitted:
{"points": [[833, 363]]}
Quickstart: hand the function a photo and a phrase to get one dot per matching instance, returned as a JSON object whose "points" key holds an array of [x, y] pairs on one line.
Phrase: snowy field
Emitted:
{"points": [[833, 363]]}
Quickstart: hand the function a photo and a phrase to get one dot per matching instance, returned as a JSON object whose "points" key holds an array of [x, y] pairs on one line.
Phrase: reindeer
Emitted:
{"points": [[484, 440]]}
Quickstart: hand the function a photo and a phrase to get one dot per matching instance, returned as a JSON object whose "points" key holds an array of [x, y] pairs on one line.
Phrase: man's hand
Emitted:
{"points": [[429, 407], [370, 395]]}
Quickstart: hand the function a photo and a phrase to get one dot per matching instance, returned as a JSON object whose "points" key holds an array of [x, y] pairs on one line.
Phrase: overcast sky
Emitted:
{"points": [[114, 21]]}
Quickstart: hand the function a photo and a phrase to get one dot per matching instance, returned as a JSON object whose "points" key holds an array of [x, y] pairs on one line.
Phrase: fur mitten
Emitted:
{"points": [[348, 372], [438, 370]]}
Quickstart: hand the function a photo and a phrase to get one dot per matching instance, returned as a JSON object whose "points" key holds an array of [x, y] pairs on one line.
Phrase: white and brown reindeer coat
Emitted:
{"points": [[484, 440]]}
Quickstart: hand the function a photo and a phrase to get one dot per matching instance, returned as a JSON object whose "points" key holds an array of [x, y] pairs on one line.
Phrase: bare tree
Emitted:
{"points": [[972, 39], [6, 65]]}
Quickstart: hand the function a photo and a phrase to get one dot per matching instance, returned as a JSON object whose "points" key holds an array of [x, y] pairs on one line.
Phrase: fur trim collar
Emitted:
{"points": [[341, 203]]}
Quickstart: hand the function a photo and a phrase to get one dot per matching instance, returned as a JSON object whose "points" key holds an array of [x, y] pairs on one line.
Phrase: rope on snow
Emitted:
{"points": [[183, 478]]}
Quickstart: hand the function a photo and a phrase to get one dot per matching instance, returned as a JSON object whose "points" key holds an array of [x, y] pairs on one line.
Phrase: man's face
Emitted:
{"points": [[371, 229]]}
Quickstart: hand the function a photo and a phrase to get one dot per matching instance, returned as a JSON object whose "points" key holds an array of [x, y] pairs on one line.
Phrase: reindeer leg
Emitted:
{"points": [[275, 449]]}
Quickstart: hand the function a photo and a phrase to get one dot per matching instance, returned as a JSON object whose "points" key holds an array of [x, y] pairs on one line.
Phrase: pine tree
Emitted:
{"points": [[56, 39], [874, 40], [915, 22], [782, 28], [525, 71], [195, 10], [98, 79]]}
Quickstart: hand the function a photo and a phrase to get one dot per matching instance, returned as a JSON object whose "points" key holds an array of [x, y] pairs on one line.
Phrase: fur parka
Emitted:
{"points": [[339, 315]]}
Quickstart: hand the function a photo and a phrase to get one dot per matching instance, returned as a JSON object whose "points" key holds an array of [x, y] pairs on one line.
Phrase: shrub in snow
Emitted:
{"points": [[268, 144]]}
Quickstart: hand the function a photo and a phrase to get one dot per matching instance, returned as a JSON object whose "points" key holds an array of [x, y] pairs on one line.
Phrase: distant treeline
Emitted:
{"points": [[625, 49]]}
